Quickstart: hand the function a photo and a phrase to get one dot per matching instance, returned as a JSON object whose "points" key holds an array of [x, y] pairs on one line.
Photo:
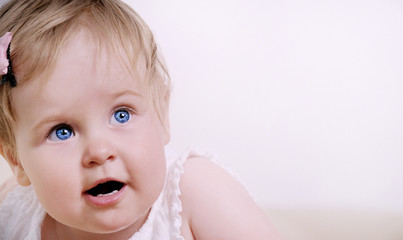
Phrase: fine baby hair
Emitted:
{"points": [[41, 27], [84, 127]]}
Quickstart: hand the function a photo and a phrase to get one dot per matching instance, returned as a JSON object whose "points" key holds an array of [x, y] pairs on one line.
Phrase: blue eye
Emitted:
{"points": [[61, 133], [121, 116]]}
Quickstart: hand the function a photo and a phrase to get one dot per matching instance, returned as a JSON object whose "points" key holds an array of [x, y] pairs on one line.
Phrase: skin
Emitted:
{"points": [[83, 93], [224, 211]]}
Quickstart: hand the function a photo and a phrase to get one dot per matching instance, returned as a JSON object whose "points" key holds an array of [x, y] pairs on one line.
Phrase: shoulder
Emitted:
{"points": [[7, 187], [21, 214], [217, 206]]}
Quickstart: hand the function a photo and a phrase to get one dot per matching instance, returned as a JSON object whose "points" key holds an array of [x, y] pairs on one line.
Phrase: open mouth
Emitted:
{"points": [[105, 189]]}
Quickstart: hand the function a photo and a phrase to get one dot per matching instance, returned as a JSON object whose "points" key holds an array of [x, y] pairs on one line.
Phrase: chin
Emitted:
{"points": [[119, 224], [113, 227]]}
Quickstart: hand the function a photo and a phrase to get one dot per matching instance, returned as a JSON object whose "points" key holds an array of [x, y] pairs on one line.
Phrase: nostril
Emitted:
{"points": [[97, 153]]}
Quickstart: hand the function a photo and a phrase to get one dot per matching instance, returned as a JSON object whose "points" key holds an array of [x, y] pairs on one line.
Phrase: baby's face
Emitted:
{"points": [[89, 142]]}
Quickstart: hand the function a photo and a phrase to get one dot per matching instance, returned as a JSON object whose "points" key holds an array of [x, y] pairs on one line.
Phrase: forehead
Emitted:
{"points": [[83, 65], [84, 55], [98, 55]]}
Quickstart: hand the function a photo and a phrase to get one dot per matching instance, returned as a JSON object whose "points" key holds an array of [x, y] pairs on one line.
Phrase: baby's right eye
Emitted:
{"points": [[61, 133]]}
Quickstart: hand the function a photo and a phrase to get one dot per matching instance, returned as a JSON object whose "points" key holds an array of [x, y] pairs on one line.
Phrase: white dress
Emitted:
{"points": [[21, 215]]}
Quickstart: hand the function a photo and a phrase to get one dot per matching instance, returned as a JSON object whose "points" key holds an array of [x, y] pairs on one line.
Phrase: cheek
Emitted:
{"points": [[150, 167], [54, 181], [146, 159], [52, 175], [153, 179], [58, 189], [46, 167], [56, 196]]}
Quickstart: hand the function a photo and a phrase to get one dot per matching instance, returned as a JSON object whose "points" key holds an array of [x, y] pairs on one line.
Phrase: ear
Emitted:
{"points": [[15, 165]]}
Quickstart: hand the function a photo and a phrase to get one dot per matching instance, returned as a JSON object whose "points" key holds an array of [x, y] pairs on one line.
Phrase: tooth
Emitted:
{"points": [[107, 194]]}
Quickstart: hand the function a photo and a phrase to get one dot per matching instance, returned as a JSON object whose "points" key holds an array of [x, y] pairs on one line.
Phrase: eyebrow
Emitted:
{"points": [[46, 121], [127, 92], [53, 118]]}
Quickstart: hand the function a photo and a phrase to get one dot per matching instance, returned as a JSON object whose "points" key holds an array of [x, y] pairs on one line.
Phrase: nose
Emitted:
{"points": [[97, 152]]}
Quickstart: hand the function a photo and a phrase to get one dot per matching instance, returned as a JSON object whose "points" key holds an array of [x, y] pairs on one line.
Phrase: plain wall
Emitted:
{"points": [[302, 99]]}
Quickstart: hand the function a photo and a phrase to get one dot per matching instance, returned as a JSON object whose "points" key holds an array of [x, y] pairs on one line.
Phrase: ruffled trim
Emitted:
{"points": [[173, 192]]}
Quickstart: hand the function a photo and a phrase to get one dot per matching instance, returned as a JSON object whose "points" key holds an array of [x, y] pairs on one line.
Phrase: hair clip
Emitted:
{"points": [[6, 69]]}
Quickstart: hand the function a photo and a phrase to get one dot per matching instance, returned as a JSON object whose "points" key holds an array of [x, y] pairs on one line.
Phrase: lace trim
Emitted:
{"points": [[173, 193]]}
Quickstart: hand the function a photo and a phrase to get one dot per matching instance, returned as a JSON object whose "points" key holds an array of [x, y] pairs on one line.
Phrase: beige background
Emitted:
{"points": [[302, 99]]}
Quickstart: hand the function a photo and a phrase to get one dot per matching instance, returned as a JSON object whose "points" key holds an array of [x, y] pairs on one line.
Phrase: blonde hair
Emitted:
{"points": [[41, 27]]}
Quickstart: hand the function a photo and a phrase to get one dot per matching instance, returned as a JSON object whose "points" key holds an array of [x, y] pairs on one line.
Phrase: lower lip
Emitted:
{"points": [[104, 201]]}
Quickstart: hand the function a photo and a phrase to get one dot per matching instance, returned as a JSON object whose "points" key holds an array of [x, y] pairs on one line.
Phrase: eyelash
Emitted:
{"points": [[120, 116], [128, 109], [123, 108], [65, 125], [62, 125]]}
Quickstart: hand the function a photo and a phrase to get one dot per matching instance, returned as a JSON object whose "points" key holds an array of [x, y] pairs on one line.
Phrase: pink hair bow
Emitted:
{"points": [[4, 43], [5, 60]]}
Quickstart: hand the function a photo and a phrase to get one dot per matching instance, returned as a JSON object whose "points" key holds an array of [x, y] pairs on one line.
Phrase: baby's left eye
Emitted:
{"points": [[120, 116]]}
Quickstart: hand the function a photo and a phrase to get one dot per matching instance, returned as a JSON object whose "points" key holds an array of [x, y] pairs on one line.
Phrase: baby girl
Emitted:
{"points": [[84, 124]]}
